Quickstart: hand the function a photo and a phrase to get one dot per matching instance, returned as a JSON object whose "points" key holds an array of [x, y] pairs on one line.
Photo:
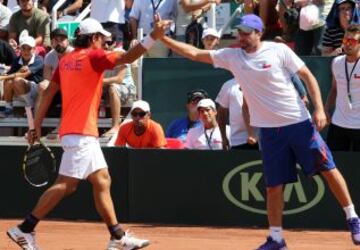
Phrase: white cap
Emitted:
{"points": [[309, 17], [25, 39], [91, 26], [140, 104], [206, 103], [210, 32]]}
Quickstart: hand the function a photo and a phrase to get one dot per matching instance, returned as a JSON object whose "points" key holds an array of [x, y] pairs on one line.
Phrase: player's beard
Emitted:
{"points": [[60, 49]]}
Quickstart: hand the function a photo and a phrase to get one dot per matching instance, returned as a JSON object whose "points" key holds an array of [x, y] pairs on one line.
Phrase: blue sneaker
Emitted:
{"points": [[271, 244], [354, 227]]}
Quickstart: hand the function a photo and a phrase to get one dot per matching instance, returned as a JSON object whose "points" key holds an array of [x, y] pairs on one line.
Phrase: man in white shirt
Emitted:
{"points": [[344, 130], [232, 107], [141, 16], [287, 135], [206, 136]]}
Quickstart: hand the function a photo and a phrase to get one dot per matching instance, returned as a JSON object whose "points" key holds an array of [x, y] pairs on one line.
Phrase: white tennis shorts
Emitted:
{"points": [[82, 156]]}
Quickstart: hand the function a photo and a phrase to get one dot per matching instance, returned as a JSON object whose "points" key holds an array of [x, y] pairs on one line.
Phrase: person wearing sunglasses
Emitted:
{"points": [[119, 87], [344, 95], [179, 128], [287, 130], [141, 131], [337, 22]]}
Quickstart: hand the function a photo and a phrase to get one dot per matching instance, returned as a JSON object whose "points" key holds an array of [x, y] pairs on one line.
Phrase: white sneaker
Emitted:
{"points": [[25, 240], [127, 242]]}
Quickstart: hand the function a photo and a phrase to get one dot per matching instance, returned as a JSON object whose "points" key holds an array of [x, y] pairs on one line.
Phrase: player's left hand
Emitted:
{"points": [[319, 119]]}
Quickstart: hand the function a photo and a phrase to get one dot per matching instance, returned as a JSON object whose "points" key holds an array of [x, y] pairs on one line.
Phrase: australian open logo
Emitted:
{"points": [[244, 186]]}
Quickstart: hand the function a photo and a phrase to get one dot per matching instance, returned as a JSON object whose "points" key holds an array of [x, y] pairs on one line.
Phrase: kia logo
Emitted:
{"points": [[245, 188]]}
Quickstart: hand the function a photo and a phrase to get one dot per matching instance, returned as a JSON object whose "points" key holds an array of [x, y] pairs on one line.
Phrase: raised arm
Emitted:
{"points": [[187, 50]]}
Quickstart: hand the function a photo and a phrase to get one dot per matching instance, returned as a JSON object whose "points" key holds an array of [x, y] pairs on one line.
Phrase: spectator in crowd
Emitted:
{"points": [[111, 15], [5, 14], [60, 47], [119, 87], [127, 28], [210, 38], [179, 128], [7, 54], [14, 6], [308, 37], [232, 108], [208, 135], [344, 130], [24, 75], [141, 16], [337, 22], [34, 20], [67, 11], [187, 11], [141, 132]]}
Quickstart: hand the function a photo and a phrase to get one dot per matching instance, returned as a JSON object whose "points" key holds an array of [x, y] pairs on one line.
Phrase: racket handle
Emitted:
{"points": [[30, 117]]}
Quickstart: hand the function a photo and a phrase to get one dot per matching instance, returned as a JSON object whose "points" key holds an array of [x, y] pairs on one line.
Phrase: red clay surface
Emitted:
{"points": [[69, 235]]}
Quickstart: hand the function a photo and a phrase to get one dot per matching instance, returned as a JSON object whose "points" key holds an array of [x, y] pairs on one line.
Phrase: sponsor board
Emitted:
{"points": [[244, 187]]}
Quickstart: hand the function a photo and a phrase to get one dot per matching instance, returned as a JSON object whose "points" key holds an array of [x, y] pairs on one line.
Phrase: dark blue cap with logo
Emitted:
{"points": [[249, 23]]}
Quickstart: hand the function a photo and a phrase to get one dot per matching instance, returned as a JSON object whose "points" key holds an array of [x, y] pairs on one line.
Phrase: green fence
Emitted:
{"points": [[186, 187], [166, 82]]}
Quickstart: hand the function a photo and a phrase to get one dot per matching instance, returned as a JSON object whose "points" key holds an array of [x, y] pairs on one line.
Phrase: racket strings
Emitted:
{"points": [[39, 165]]}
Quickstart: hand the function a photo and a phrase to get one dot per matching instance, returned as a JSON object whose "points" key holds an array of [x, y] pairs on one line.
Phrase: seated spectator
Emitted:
{"points": [[231, 108], [5, 14], [337, 22], [67, 11], [24, 75], [180, 127], [60, 47], [111, 16], [7, 54], [141, 131], [36, 21], [119, 87], [210, 38], [208, 135]]}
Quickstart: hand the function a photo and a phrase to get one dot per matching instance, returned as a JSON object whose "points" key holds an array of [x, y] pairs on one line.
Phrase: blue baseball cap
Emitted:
{"points": [[249, 23]]}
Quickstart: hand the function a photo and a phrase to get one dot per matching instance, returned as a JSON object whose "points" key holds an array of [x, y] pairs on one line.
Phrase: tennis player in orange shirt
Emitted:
{"points": [[79, 78]]}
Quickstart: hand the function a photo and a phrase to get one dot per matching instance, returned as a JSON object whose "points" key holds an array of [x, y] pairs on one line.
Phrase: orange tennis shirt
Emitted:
{"points": [[153, 137], [80, 76]]}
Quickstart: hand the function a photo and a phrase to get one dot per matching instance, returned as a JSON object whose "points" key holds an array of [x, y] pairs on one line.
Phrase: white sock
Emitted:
{"points": [[350, 212], [276, 234]]}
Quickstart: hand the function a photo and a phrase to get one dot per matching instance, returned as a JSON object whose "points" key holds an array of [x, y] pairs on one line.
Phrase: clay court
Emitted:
{"points": [[64, 235]]}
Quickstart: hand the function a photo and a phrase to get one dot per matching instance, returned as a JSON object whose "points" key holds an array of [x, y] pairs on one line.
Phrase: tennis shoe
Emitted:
{"points": [[127, 242], [354, 227], [271, 244], [25, 240]]}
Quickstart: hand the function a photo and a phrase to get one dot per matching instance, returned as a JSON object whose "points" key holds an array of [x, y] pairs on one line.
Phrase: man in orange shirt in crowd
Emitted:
{"points": [[141, 132], [79, 77]]}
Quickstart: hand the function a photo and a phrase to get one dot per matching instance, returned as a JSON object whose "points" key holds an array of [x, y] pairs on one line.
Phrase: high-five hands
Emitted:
{"points": [[160, 26]]}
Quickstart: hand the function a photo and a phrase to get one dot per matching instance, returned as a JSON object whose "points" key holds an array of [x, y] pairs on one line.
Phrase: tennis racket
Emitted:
{"points": [[39, 163]]}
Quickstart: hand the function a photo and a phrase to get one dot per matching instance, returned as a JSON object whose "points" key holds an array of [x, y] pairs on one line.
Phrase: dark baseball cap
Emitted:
{"points": [[249, 23], [196, 94], [58, 32]]}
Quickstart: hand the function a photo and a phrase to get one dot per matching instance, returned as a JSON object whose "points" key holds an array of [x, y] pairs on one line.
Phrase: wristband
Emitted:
{"points": [[147, 42]]}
